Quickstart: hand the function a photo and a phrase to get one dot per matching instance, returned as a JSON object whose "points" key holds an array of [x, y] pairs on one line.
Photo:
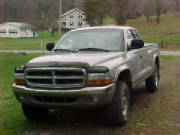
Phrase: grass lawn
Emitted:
{"points": [[12, 121], [168, 30], [28, 43]]}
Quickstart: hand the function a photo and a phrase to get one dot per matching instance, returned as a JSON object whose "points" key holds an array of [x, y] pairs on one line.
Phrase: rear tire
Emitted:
{"points": [[34, 113], [117, 112], [153, 81]]}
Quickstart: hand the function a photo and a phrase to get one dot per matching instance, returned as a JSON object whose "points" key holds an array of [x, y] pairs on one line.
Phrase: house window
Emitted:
{"points": [[71, 23], [79, 23], [2, 31], [13, 31], [64, 23], [71, 16], [80, 16]]}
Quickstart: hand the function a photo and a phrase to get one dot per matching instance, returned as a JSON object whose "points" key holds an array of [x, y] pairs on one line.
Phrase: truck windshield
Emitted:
{"points": [[91, 40]]}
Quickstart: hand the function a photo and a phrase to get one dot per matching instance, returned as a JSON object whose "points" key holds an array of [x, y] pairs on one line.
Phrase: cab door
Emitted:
{"points": [[146, 66], [135, 57]]}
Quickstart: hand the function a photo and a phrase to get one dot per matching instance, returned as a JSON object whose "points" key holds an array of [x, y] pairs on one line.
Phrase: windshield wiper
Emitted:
{"points": [[63, 50], [94, 49]]}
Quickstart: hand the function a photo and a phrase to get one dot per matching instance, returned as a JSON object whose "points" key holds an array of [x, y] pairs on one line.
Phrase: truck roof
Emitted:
{"points": [[104, 27]]}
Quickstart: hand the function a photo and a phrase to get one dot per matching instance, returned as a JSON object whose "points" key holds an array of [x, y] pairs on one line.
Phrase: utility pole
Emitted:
{"points": [[60, 12]]}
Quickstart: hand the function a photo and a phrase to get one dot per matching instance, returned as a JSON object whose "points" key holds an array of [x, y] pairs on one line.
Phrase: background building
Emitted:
{"points": [[73, 19], [16, 30]]}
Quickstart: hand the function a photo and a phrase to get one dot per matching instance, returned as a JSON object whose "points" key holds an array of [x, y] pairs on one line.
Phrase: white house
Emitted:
{"points": [[16, 30], [74, 18]]}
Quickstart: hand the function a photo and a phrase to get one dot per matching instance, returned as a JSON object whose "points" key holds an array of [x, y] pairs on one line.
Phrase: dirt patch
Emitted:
{"points": [[170, 88], [161, 110]]}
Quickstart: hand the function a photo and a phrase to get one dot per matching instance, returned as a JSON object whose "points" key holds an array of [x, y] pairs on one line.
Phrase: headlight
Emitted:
{"points": [[19, 76], [99, 79], [19, 69]]}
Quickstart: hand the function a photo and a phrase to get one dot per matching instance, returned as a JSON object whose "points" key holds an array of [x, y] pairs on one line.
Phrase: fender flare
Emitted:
{"points": [[120, 70], [154, 59]]}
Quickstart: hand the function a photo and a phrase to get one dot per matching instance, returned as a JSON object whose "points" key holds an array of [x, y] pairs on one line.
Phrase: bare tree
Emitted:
{"points": [[120, 11], [95, 11], [44, 13], [177, 3], [147, 7], [158, 10], [134, 7], [1, 11]]}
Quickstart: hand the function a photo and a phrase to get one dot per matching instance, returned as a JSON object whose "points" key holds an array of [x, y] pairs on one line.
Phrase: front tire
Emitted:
{"points": [[34, 113], [117, 111], [153, 81]]}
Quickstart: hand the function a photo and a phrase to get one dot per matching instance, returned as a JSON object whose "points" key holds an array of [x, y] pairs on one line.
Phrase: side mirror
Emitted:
{"points": [[50, 46], [136, 44]]}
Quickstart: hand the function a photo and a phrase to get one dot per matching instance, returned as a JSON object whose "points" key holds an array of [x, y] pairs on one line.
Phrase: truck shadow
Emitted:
{"points": [[140, 98]]}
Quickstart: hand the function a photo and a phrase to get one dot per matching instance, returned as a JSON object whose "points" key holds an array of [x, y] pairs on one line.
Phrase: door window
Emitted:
{"points": [[130, 37], [136, 35]]}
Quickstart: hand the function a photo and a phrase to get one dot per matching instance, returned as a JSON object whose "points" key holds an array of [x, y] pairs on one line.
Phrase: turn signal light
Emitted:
{"points": [[99, 82], [19, 82]]}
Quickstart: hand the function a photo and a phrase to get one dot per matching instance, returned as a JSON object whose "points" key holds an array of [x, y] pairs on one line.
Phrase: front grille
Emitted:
{"points": [[55, 77], [56, 99]]}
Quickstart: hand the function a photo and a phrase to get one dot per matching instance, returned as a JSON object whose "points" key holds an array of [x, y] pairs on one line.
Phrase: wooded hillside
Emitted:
{"points": [[44, 13]]}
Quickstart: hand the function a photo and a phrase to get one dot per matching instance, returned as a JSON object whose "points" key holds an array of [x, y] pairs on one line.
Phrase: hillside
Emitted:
{"points": [[168, 30]]}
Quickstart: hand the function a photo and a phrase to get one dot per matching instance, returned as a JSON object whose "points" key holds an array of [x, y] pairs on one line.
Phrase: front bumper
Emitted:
{"points": [[79, 98]]}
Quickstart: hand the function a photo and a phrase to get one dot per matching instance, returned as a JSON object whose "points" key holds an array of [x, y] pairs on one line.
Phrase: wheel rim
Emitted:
{"points": [[156, 75], [124, 103]]}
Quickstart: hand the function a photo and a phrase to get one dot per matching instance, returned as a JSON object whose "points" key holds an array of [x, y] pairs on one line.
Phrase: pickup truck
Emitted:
{"points": [[94, 67]]}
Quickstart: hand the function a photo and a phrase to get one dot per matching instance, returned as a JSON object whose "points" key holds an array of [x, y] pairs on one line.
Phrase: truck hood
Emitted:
{"points": [[81, 59]]}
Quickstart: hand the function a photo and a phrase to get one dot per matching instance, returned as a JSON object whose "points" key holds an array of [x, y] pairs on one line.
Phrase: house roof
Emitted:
{"points": [[72, 10], [18, 25]]}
